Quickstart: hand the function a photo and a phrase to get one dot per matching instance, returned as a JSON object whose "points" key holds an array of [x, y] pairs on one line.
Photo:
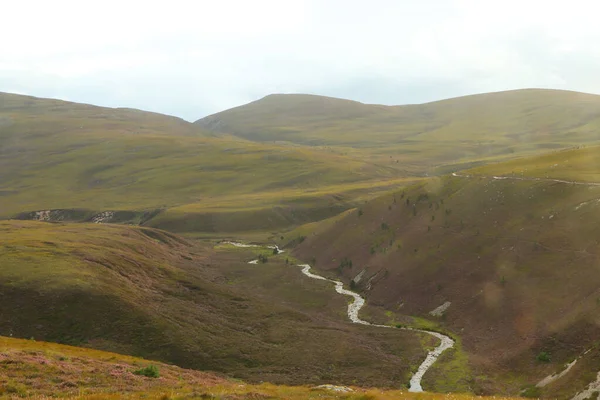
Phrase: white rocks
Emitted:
{"points": [[439, 311], [103, 217], [335, 388], [359, 302]]}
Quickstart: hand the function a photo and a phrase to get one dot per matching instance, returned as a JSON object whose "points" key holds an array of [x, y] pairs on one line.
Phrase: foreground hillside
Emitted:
{"points": [[420, 138], [513, 262], [31, 368], [149, 293], [81, 161]]}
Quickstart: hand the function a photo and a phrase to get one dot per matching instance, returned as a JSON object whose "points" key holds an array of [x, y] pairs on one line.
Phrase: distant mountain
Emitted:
{"points": [[478, 127]]}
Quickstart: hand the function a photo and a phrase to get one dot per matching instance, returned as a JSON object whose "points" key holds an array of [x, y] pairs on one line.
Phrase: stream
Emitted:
{"points": [[355, 307], [353, 310], [359, 302]]}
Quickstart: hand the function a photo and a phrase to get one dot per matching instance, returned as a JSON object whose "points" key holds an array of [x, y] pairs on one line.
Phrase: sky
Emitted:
{"points": [[195, 58]]}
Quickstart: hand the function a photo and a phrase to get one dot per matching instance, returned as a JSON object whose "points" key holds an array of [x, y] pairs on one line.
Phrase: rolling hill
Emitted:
{"points": [[80, 161], [421, 138], [514, 261], [149, 293]]}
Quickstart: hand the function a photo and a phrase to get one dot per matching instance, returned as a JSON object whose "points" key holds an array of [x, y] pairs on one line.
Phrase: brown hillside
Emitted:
{"points": [[518, 260]]}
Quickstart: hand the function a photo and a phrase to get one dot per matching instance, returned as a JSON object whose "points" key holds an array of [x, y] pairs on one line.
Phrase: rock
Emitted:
{"points": [[334, 388]]}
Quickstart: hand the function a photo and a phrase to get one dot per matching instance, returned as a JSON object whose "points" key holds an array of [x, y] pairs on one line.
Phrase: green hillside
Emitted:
{"points": [[85, 160], [517, 260], [420, 138], [149, 293]]}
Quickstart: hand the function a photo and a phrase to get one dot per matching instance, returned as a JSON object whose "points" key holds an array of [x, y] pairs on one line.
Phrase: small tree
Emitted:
{"points": [[544, 357]]}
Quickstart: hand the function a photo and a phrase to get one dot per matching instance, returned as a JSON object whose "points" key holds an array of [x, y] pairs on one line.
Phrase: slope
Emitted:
{"points": [[149, 293], [77, 373], [420, 138], [84, 160], [514, 261]]}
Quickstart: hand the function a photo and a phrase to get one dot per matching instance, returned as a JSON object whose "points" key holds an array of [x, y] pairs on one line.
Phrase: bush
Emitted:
{"points": [[384, 226], [360, 212], [531, 392], [345, 263], [262, 258], [544, 356], [151, 371]]}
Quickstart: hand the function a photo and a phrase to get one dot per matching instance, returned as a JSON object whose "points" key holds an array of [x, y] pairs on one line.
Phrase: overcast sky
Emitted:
{"points": [[194, 58]]}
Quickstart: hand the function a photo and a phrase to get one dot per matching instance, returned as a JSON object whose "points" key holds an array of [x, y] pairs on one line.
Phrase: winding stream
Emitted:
{"points": [[359, 302], [355, 307]]}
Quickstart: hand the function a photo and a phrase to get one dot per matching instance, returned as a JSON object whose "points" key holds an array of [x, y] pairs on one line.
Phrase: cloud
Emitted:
{"points": [[191, 58]]}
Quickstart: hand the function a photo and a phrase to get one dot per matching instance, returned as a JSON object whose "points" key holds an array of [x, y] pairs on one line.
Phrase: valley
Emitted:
{"points": [[300, 240]]}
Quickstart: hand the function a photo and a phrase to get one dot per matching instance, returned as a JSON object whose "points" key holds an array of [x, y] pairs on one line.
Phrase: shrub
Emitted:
{"points": [[372, 250], [531, 392], [360, 212], [345, 263], [352, 284], [544, 356], [275, 251], [151, 371], [262, 258], [384, 226]]}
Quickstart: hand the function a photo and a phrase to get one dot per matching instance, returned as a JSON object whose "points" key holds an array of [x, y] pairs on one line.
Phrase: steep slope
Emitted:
{"points": [[149, 293], [84, 160], [515, 262], [422, 137]]}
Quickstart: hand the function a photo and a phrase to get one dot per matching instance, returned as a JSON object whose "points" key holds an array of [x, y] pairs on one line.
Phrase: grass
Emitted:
{"points": [[516, 259], [86, 159], [150, 293], [580, 164], [421, 138], [41, 370], [308, 158]]}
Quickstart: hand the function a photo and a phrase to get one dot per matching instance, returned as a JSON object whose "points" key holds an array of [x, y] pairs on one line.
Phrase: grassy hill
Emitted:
{"points": [[294, 159], [39, 369], [149, 293], [517, 260], [84, 160], [420, 138]]}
